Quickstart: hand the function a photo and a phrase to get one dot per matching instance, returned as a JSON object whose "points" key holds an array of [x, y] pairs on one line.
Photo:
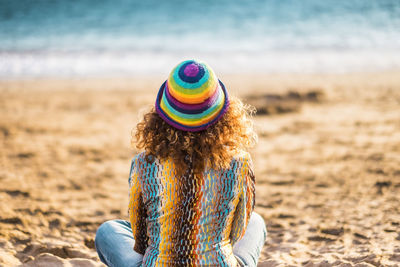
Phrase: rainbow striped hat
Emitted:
{"points": [[192, 99]]}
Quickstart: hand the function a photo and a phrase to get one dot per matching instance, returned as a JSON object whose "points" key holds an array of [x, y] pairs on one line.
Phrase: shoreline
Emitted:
{"points": [[67, 64], [235, 80]]}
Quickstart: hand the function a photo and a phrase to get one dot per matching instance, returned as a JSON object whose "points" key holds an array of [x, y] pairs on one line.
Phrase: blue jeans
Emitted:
{"points": [[114, 243]]}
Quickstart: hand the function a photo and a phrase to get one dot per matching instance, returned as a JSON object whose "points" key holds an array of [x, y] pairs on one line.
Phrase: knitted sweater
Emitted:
{"points": [[189, 220]]}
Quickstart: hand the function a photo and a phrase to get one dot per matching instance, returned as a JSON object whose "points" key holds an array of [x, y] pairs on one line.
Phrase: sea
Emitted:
{"points": [[91, 38]]}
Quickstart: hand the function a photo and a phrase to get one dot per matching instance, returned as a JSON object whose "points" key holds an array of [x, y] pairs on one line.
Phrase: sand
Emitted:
{"points": [[327, 166]]}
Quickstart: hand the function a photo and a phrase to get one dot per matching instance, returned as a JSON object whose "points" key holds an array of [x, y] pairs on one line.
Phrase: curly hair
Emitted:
{"points": [[213, 147]]}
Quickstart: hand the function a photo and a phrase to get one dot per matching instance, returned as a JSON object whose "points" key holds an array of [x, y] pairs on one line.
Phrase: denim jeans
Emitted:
{"points": [[114, 243]]}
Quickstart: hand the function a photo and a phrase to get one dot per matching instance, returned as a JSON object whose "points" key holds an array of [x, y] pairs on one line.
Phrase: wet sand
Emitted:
{"points": [[327, 166]]}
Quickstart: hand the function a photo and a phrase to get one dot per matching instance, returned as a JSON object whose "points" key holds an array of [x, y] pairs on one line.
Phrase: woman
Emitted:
{"points": [[192, 189]]}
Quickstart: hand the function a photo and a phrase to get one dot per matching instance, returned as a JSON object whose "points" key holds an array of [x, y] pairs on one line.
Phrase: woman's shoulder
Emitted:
{"points": [[140, 163], [139, 157], [242, 158], [143, 158]]}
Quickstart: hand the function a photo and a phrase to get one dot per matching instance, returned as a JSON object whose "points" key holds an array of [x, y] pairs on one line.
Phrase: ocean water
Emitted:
{"points": [[78, 38]]}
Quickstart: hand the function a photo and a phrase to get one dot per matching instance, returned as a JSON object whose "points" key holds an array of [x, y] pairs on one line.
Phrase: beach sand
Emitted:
{"points": [[327, 166]]}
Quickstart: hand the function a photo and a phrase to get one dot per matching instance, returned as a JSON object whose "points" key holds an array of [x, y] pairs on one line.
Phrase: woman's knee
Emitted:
{"points": [[258, 222], [105, 227], [103, 231]]}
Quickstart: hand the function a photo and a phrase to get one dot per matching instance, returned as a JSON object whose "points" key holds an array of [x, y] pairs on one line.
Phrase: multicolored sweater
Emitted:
{"points": [[189, 220]]}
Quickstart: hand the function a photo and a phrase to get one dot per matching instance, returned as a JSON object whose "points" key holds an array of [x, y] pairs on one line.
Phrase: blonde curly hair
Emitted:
{"points": [[213, 147]]}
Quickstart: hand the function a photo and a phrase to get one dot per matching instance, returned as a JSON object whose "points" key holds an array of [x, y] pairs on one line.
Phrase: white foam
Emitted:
{"points": [[125, 63]]}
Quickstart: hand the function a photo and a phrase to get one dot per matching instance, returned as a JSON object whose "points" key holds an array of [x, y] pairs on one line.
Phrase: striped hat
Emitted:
{"points": [[192, 99]]}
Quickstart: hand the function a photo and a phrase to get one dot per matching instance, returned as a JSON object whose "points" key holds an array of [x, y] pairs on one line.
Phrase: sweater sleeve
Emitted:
{"points": [[246, 202], [137, 210]]}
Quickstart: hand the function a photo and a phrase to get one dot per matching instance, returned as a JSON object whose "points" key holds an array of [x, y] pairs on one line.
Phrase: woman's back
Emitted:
{"points": [[189, 220]]}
